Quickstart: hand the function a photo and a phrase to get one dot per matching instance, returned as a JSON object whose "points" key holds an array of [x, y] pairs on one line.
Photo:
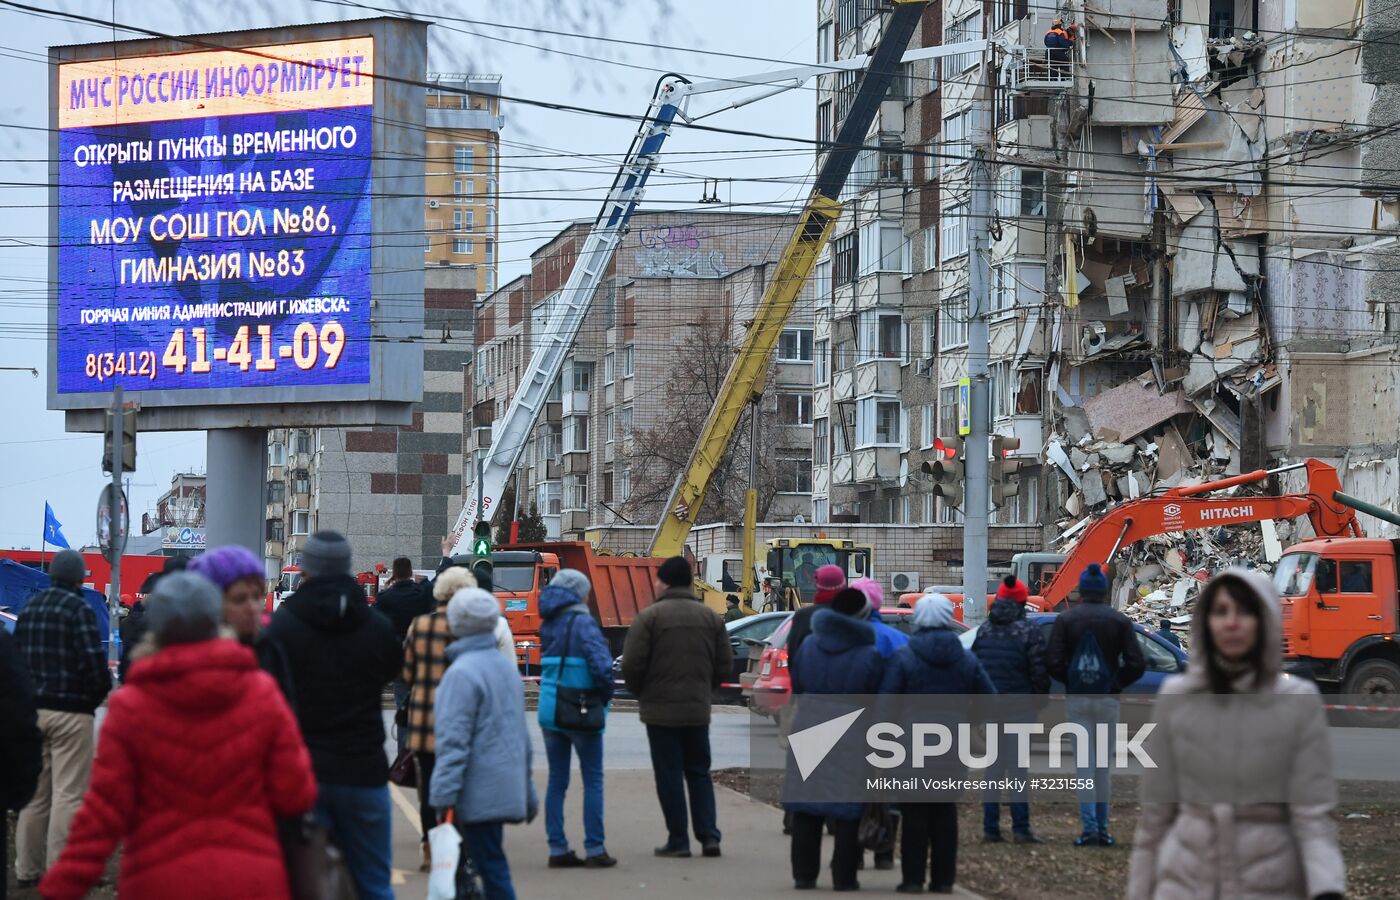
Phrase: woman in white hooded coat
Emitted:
{"points": [[1234, 728]]}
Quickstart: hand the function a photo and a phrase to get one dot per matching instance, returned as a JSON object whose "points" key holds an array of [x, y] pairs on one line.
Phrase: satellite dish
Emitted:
{"points": [[903, 472]]}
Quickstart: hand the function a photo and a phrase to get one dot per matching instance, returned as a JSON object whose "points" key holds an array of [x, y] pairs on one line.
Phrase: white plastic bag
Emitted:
{"points": [[446, 846]]}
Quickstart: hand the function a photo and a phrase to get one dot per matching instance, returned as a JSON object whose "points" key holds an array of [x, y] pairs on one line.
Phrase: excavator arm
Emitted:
{"points": [[1182, 509], [744, 383]]}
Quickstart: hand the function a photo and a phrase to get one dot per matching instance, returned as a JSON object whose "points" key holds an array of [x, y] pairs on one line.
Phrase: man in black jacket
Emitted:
{"points": [[20, 743], [403, 601], [1095, 652], [340, 653], [61, 645]]}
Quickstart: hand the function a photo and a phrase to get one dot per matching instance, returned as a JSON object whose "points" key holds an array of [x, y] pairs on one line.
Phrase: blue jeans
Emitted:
{"points": [[1089, 712], [360, 817], [1006, 768], [680, 761], [559, 747], [486, 845]]}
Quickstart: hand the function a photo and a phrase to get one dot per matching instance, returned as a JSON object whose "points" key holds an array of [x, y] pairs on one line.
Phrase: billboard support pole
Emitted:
{"points": [[114, 584], [234, 504]]}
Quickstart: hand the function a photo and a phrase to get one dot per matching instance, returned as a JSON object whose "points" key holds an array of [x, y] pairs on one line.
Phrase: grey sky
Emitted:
{"points": [[39, 461]]}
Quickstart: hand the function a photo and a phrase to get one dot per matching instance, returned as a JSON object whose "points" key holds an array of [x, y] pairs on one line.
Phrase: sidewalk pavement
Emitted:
{"points": [[754, 865]]}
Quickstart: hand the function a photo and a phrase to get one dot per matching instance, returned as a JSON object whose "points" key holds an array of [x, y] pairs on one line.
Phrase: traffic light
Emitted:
{"points": [[1001, 469], [128, 441], [947, 470], [481, 543]]}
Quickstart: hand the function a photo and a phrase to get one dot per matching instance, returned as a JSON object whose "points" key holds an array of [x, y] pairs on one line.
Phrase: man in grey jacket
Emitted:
{"points": [[676, 654]]}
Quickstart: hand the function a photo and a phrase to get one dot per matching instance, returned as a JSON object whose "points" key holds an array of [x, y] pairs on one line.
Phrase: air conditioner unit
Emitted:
{"points": [[924, 367], [904, 582], [433, 204]]}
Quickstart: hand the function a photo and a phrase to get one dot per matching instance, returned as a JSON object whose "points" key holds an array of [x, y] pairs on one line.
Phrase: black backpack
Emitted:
{"points": [[1088, 670]]}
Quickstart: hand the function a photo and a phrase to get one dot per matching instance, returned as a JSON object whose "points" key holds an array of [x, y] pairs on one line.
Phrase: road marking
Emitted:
{"points": [[406, 807]]}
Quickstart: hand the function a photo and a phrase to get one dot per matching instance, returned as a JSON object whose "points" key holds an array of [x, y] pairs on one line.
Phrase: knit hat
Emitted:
{"points": [[871, 589], [472, 611], [67, 568], [851, 602], [573, 581], [225, 565], [933, 611], [1093, 582], [675, 572], [326, 554], [184, 608], [829, 579], [1013, 588], [451, 581]]}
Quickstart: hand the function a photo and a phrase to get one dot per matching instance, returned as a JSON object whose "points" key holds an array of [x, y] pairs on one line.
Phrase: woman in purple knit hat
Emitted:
{"points": [[240, 575]]}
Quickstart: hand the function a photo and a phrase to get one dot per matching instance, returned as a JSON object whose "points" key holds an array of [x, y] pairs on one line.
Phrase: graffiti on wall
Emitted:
{"points": [[678, 251]]}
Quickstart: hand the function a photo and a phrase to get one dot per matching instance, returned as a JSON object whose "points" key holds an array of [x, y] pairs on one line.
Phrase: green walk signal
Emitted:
{"points": [[481, 544]]}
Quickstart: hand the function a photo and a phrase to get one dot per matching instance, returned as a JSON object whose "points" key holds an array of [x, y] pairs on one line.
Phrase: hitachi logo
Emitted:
{"points": [[1226, 512]]}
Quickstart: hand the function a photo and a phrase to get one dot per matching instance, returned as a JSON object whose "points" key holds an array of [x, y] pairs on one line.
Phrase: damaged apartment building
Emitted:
{"points": [[1190, 257]]}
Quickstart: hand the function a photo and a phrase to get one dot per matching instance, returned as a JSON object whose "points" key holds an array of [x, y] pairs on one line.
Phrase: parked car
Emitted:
{"points": [[1163, 657], [743, 634], [771, 687]]}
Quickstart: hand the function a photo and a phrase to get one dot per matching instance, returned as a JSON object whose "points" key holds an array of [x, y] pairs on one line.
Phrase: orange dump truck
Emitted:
{"points": [[622, 587]]}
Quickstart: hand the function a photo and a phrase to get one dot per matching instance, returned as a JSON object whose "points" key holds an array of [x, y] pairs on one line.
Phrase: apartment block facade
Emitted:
{"points": [[677, 298], [462, 184]]}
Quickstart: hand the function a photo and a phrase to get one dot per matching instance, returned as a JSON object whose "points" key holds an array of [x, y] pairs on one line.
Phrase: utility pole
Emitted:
{"points": [[976, 501], [114, 598]]}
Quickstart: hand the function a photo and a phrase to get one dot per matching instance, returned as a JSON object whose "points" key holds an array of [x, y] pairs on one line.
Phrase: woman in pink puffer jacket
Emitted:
{"points": [[1233, 728]]}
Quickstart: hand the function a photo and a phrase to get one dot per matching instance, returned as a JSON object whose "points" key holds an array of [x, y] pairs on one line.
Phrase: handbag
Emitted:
{"points": [[876, 829], [316, 868], [404, 771], [569, 701]]}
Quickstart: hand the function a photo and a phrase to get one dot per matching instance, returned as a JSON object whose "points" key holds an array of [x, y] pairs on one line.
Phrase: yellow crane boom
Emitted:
{"points": [[744, 382]]}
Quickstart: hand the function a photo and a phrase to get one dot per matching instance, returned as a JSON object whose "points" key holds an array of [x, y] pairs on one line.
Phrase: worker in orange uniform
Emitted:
{"points": [[1059, 41]]}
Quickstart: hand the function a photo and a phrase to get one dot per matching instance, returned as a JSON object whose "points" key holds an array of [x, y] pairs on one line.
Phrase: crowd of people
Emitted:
{"points": [[231, 724]]}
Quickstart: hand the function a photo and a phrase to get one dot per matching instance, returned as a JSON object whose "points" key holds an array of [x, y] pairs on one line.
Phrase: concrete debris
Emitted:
{"points": [[1133, 407]]}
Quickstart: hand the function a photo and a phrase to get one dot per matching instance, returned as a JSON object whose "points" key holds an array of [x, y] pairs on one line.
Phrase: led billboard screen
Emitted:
{"points": [[214, 218]]}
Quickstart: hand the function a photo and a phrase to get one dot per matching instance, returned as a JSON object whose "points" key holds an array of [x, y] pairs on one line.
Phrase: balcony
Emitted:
{"points": [[574, 521], [483, 436], [843, 385], [575, 403], [576, 462], [554, 468], [554, 411], [880, 289], [276, 510], [877, 376], [876, 465], [842, 468], [1028, 429]]}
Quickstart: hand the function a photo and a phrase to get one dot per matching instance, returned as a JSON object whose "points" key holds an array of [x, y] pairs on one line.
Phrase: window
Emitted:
{"points": [[1003, 287], [928, 416], [548, 498], [930, 248], [845, 95], [1032, 192], [1004, 12], [276, 530], [627, 361], [551, 443], [461, 247], [821, 284], [624, 483], [879, 247], [1008, 192], [957, 138], [277, 454], [877, 422], [276, 492], [795, 345], [464, 159], [953, 229], [968, 28], [824, 132], [578, 493], [607, 487], [948, 412], [879, 335], [427, 243], [303, 442], [952, 322], [608, 428], [624, 419], [1017, 284], [576, 434], [928, 328], [794, 471], [821, 442], [1028, 393], [1000, 389], [821, 358], [490, 280], [906, 257], [462, 187], [794, 409], [608, 364], [826, 45], [845, 259], [301, 521], [582, 377], [891, 162], [901, 84], [301, 482]]}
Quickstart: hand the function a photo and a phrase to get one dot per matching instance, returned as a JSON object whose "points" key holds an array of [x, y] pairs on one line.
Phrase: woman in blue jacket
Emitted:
{"points": [[933, 662], [570, 630], [840, 657]]}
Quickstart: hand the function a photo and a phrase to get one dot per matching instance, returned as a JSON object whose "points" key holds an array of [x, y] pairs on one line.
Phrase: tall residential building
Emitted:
{"points": [[395, 490], [647, 363], [463, 174]]}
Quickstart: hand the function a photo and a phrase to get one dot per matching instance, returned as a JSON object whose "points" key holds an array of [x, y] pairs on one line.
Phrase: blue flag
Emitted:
{"points": [[53, 529]]}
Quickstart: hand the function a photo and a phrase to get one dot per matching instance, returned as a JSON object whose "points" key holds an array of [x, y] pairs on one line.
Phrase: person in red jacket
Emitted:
{"points": [[197, 759]]}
